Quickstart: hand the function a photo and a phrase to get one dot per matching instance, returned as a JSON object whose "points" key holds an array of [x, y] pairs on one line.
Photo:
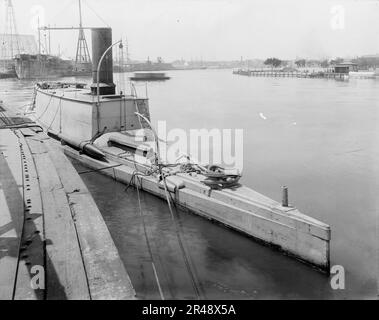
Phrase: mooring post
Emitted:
{"points": [[285, 197]]}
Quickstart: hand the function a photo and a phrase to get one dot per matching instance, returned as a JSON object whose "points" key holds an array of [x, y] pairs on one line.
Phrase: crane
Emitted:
{"points": [[82, 52]]}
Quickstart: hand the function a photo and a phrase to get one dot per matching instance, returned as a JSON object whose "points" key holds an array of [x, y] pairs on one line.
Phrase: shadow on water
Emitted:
{"points": [[27, 245]]}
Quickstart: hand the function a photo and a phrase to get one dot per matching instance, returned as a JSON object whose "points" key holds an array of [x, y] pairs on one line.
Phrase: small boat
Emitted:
{"points": [[112, 134], [149, 76]]}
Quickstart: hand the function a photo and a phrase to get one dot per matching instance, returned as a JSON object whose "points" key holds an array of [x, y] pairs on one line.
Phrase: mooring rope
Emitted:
{"points": [[47, 107], [56, 113], [186, 258], [147, 239], [101, 169], [7, 121], [160, 166]]}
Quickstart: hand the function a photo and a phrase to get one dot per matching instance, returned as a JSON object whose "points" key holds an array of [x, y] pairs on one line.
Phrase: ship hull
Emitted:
{"points": [[8, 75], [7, 69], [46, 67], [244, 210]]}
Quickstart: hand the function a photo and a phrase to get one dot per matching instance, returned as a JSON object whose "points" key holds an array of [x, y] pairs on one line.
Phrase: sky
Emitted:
{"points": [[214, 29]]}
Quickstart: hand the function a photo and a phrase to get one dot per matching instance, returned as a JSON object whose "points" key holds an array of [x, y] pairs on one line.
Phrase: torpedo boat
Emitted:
{"points": [[112, 134]]}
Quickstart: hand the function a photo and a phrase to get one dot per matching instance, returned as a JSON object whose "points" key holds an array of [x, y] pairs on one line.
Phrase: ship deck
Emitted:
{"points": [[83, 95]]}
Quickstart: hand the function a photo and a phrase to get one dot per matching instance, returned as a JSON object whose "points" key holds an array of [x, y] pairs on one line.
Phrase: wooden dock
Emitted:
{"points": [[291, 74], [54, 244]]}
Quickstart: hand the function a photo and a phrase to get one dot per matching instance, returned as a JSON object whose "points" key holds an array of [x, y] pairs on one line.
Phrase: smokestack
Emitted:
{"points": [[101, 41]]}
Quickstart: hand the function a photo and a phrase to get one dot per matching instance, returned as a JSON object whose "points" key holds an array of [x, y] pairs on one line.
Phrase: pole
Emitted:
{"points": [[79, 48], [50, 42], [39, 38], [98, 84], [99, 66], [80, 14]]}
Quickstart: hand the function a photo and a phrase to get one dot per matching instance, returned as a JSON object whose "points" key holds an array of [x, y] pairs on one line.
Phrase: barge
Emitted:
{"points": [[112, 134], [149, 76]]}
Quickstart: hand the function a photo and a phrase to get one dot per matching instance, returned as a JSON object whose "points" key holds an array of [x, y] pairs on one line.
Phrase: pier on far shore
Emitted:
{"points": [[54, 243], [290, 74]]}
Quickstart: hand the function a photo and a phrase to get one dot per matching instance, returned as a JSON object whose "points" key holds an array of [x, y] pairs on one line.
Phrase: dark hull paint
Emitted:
{"points": [[34, 67]]}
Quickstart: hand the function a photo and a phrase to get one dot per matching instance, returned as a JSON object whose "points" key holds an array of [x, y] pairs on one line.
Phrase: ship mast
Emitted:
{"points": [[82, 52], [9, 50]]}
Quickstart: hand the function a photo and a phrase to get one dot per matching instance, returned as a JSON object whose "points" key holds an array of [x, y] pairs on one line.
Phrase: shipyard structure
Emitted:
{"points": [[24, 58]]}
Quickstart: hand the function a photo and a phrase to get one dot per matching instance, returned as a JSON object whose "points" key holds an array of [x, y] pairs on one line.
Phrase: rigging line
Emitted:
{"points": [[86, 3], [47, 107], [56, 113], [24, 106], [147, 240], [137, 107], [68, 4], [98, 170], [186, 259], [194, 279], [7, 120], [191, 266]]}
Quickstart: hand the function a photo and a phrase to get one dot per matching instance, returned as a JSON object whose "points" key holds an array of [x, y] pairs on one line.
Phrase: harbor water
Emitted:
{"points": [[316, 136]]}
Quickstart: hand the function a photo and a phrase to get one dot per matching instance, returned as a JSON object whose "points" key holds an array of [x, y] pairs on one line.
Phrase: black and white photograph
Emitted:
{"points": [[201, 152]]}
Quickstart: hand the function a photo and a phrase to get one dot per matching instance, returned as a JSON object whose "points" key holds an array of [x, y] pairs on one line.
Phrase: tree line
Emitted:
{"points": [[362, 62]]}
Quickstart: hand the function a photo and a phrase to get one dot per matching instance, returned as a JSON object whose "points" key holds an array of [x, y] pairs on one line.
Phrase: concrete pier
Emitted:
{"points": [[54, 243]]}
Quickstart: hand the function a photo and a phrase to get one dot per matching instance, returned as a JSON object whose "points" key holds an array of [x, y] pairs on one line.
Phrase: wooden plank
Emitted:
{"points": [[194, 184], [64, 265], [11, 211], [107, 277], [106, 274], [36, 146], [36, 129], [26, 132]]}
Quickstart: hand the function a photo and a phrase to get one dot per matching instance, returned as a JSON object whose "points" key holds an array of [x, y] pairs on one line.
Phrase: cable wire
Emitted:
{"points": [[147, 238], [86, 3], [186, 257]]}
